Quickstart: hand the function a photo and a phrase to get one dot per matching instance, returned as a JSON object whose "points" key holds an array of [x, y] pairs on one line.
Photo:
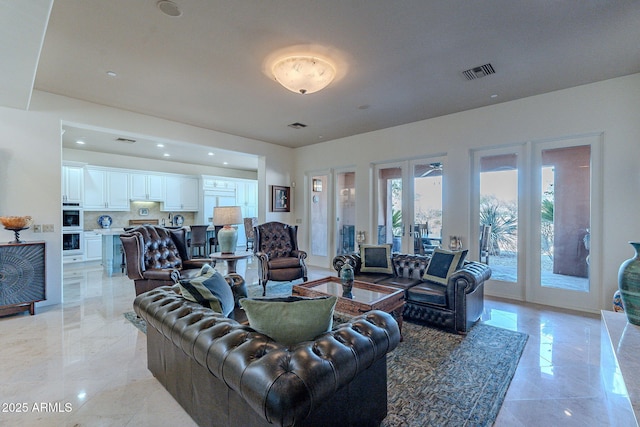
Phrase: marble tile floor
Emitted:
{"points": [[82, 364]]}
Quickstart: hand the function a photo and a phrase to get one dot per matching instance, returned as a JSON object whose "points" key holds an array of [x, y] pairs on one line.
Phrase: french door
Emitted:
{"points": [[566, 214], [499, 204], [345, 241], [541, 200], [319, 186], [409, 204]]}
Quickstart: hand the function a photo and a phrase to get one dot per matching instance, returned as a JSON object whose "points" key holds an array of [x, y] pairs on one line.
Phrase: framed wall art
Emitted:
{"points": [[280, 199]]}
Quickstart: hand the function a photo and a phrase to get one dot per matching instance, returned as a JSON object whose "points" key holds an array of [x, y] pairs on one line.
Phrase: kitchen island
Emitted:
{"points": [[112, 260]]}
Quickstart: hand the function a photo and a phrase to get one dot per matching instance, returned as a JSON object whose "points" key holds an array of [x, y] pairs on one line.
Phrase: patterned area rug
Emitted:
{"points": [[440, 379]]}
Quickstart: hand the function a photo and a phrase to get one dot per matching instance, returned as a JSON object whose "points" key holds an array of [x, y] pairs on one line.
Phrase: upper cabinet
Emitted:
{"points": [[105, 189], [146, 187], [181, 193], [72, 184]]}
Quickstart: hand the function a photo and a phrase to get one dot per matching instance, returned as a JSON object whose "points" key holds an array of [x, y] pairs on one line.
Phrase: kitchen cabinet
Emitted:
{"points": [[181, 193], [146, 187], [22, 276], [105, 189], [72, 184], [92, 246]]}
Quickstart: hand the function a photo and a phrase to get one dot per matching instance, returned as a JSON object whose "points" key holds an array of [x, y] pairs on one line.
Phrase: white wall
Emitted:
{"points": [[611, 107], [31, 155]]}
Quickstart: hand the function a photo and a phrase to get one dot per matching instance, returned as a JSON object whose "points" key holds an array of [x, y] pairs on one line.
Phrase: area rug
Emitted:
{"points": [[437, 378]]}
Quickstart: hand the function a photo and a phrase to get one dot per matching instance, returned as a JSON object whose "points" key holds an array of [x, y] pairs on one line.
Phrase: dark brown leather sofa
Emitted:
{"points": [[454, 307], [158, 256], [226, 374]]}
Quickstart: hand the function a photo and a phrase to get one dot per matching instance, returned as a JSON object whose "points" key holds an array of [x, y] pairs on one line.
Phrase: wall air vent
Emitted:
{"points": [[126, 140], [297, 125], [478, 72]]}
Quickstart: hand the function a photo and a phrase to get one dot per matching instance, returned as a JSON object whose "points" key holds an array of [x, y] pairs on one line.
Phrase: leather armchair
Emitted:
{"points": [[157, 256], [279, 259]]}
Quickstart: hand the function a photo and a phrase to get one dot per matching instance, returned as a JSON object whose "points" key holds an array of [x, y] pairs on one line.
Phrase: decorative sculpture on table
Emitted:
{"points": [[16, 224]]}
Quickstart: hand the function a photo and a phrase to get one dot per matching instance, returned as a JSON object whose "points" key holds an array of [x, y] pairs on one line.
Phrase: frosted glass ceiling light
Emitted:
{"points": [[303, 74]]}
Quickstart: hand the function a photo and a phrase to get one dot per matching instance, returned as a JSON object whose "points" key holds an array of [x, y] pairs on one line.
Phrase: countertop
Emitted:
{"points": [[116, 230]]}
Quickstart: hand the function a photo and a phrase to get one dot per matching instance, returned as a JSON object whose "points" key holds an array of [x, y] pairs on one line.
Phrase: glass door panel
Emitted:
{"points": [[319, 217], [345, 213], [565, 218], [499, 212], [427, 206], [390, 228]]}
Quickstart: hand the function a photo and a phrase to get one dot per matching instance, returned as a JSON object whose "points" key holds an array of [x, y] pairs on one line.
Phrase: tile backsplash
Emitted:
{"points": [[121, 219]]}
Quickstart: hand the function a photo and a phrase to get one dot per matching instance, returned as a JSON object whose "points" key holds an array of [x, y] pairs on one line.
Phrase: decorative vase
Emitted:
{"points": [[629, 285], [346, 277]]}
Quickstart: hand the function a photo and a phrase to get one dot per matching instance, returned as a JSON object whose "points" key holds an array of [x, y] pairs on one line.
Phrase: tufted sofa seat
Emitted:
{"points": [[157, 256], [455, 306], [227, 374]]}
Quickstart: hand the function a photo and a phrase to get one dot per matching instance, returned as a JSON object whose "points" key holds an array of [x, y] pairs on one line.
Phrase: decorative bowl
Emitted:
{"points": [[12, 222]]}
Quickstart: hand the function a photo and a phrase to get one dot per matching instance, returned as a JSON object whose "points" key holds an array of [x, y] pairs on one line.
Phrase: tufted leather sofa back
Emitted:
{"points": [[162, 248], [410, 266], [276, 239]]}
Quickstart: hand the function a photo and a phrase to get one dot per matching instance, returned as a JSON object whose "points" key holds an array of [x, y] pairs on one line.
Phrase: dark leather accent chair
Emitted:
{"points": [[279, 258], [157, 256]]}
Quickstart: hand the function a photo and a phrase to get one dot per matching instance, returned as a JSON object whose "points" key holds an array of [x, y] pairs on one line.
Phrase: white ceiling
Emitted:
{"points": [[400, 61]]}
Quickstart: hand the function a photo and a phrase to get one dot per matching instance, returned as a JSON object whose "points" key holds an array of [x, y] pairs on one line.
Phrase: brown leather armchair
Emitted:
{"points": [[279, 259], [157, 256]]}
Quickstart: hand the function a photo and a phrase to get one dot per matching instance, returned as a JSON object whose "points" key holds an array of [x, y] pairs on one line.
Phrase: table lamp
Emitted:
{"points": [[227, 236]]}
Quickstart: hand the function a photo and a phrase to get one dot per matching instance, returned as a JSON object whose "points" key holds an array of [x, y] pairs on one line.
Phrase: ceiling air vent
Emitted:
{"points": [[477, 72], [127, 140], [297, 125]]}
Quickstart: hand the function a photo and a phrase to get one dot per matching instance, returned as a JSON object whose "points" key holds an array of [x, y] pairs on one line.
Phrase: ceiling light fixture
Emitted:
{"points": [[80, 142], [303, 74], [111, 73], [159, 145], [169, 8]]}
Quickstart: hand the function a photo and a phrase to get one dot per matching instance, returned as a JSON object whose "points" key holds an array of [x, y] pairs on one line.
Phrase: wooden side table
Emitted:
{"points": [[22, 276]]}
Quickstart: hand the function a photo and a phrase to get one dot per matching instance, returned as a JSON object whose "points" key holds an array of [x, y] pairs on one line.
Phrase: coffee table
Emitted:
{"points": [[230, 259], [365, 296]]}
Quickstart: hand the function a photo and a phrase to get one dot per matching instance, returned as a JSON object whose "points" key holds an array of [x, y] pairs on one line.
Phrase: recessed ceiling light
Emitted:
{"points": [[167, 155], [225, 163], [494, 96], [80, 142], [211, 154], [159, 145], [111, 73], [169, 8]]}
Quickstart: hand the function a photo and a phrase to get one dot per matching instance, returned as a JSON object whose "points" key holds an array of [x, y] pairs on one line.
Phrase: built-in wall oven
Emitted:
{"points": [[72, 229], [72, 242], [72, 216]]}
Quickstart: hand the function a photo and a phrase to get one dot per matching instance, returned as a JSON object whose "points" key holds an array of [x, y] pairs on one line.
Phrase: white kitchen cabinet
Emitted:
{"points": [[146, 187], [92, 246], [72, 184], [181, 193], [105, 189]]}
